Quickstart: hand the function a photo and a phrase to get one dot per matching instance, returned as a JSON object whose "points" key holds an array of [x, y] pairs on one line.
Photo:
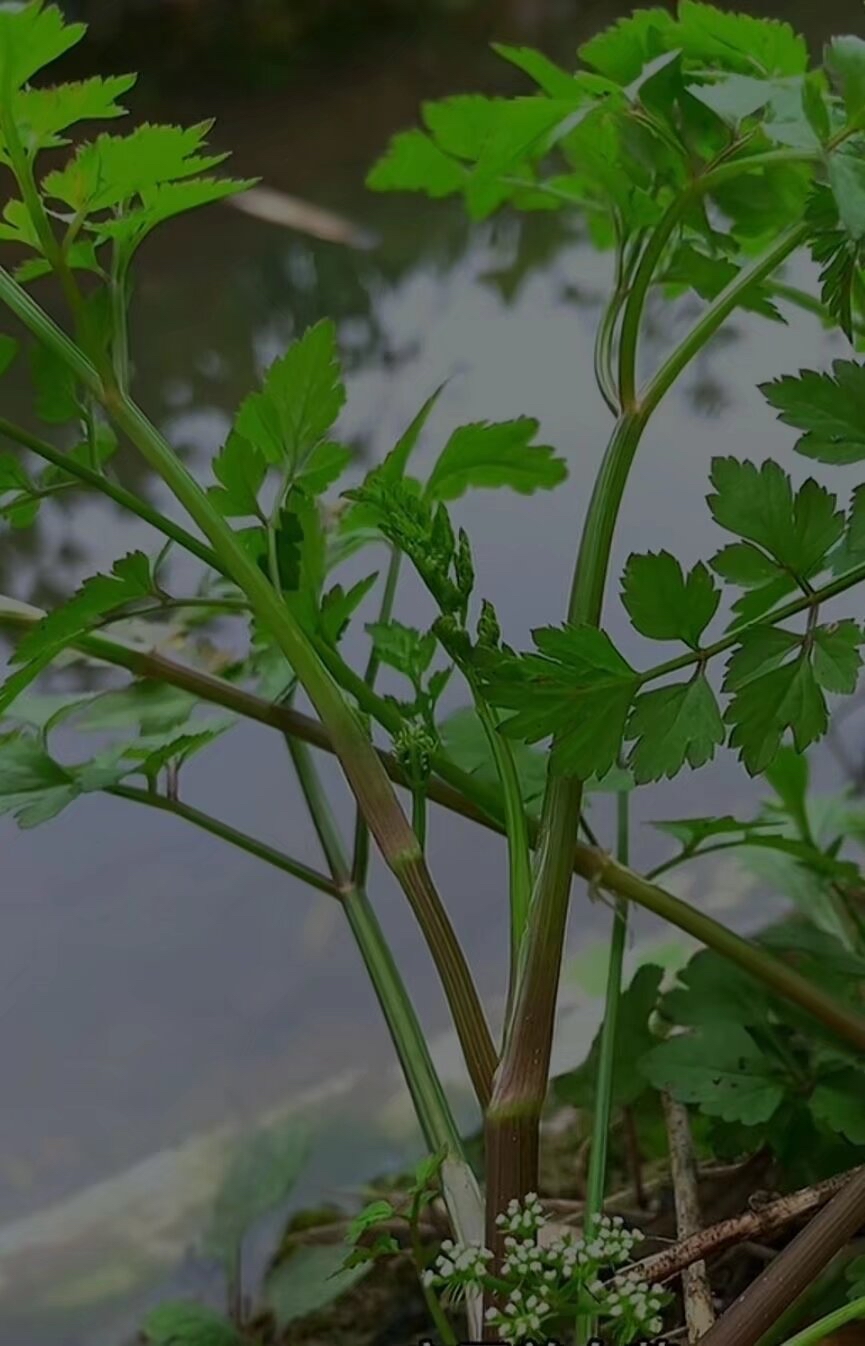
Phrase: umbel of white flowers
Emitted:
{"points": [[546, 1281]]}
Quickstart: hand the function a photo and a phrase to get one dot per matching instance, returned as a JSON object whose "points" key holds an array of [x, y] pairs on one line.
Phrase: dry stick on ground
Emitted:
{"points": [[696, 1291], [754, 1224], [793, 1270]]}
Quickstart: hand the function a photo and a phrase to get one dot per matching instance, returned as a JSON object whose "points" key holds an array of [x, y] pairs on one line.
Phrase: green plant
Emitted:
{"points": [[704, 151]]}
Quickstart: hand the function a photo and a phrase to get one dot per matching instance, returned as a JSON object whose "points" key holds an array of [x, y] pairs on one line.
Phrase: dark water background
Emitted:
{"points": [[153, 983]]}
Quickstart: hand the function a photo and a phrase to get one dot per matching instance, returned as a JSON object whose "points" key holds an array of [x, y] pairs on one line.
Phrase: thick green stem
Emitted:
{"points": [[369, 783], [360, 847]]}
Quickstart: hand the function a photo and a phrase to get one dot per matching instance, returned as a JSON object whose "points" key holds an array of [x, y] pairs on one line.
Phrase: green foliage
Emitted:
{"points": [[298, 404], [494, 455], [665, 605], [634, 1037], [308, 1280], [179, 1324], [260, 1176], [827, 408], [578, 687]]}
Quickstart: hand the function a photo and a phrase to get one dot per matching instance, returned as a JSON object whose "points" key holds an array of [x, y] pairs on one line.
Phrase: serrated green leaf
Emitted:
{"points": [[177, 750], [262, 1173], [487, 455], [309, 1280], [836, 656], [323, 467], [847, 180], [837, 1103], [578, 688], [759, 505], [692, 832], [839, 257], [164, 202], [743, 564], [414, 163], [672, 726], [761, 47], [338, 606], [634, 1039], [845, 61], [241, 470], [129, 579], [31, 37], [301, 556], [763, 709], [827, 407], [401, 647], [665, 605], [708, 276], [621, 51], [179, 1324], [299, 402], [550, 78], [42, 114], [721, 1070], [712, 993], [763, 648], [112, 170]]}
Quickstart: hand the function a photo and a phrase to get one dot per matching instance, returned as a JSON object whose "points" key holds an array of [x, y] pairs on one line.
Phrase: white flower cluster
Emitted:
{"points": [[609, 1243], [522, 1317], [524, 1218], [459, 1266], [547, 1281], [635, 1302]]}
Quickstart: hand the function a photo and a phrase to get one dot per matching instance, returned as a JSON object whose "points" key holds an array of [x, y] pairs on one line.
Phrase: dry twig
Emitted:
{"points": [[697, 1293]]}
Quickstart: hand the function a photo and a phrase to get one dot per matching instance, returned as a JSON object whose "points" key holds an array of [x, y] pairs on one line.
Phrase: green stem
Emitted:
{"points": [[424, 1085], [22, 169], [419, 813], [603, 1110], [118, 288], [718, 312], [516, 830], [459, 792], [824, 1327], [360, 846], [296, 868], [97, 481]]}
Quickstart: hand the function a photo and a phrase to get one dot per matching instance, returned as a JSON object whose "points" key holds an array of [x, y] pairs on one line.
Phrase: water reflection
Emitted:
{"points": [[153, 985]]}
